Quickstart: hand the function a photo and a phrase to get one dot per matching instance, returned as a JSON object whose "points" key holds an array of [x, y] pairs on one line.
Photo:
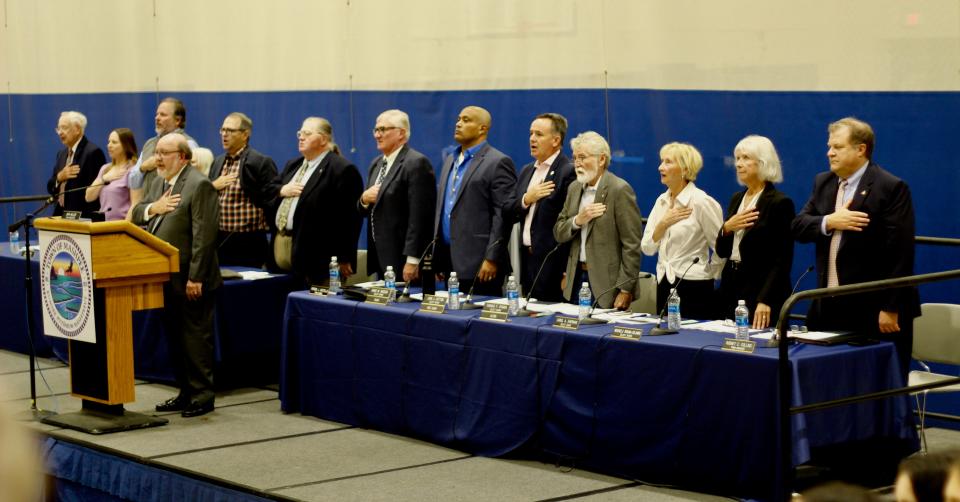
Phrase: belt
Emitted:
{"points": [[584, 266], [734, 265], [529, 249], [284, 232]]}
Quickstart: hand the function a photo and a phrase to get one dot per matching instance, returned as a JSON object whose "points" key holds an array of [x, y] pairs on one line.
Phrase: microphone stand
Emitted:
{"points": [[775, 339], [592, 320], [468, 301], [34, 413], [526, 301], [658, 330], [405, 295]]}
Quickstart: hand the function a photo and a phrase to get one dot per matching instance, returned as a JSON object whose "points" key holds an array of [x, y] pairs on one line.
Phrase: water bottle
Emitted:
{"points": [[390, 282], [742, 315], [334, 276], [15, 242], [586, 303], [453, 292], [513, 295], [673, 310]]}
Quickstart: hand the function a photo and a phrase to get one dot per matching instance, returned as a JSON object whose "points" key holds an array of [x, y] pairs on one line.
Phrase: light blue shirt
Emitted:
{"points": [[453, 186]]}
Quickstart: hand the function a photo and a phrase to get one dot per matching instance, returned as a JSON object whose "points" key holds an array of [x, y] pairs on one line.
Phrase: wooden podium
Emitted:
{"points": [[129, 267]]}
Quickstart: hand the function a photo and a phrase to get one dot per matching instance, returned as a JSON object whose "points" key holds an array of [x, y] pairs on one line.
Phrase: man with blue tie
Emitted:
{"points": [[861, 218], [474, 210]]}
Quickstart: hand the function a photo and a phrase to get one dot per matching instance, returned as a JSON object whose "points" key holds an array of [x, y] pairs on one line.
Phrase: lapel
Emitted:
{"points": [[216, 169], [177, 188], [760, 206], [863, 188], [472, 168], [601, 198], [524, 180], [396, 167], [317, 178]]}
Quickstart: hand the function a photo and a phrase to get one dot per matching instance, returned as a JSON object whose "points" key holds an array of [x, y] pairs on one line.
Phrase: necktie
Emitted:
{"points": [[156, 221], [63, 186], [284, 211], [832, 279], [381, 174]]}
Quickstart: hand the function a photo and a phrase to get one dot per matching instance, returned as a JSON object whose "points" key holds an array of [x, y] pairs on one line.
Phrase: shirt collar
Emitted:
{"points": [[854, 178], [470, 152], [234, 158], [550, 160], [393, 156], [173, 181], [684, 196]]}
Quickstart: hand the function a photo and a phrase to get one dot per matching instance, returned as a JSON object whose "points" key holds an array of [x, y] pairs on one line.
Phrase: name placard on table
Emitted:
{"points": [[742, 346], [627, 333], [433, 304], [379, 296], [566, 322], [498, 312]]}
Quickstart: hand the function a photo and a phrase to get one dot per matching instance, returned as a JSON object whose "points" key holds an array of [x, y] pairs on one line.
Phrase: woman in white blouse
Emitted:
{"points": [[682, 227]]}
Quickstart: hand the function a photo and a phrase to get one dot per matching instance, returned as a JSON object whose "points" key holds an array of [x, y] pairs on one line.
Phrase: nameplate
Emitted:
{"points": [[72, 215], [433, 304], [379, 296], [628, 333], [744, 346], [566, 322], [319, 291], [495, 312]]}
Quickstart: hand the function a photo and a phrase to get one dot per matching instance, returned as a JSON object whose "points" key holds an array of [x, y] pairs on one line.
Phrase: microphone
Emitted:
{"points": [[796, 285], [405, 295], [526, 299], [590, 319], [468, 301], [659, 330]]}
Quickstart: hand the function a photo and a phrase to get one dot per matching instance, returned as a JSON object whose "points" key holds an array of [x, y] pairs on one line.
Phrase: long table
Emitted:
{"points": [[671, 409], [247, 327]]}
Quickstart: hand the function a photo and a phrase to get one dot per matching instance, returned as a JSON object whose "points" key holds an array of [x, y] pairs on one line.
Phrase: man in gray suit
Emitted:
{"points": [[474, 207], [601, 217], [183, 211]]}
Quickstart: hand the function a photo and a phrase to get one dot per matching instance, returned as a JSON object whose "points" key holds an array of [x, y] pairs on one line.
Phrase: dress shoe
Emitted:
{"points": [[195, 409], [178, 403]]}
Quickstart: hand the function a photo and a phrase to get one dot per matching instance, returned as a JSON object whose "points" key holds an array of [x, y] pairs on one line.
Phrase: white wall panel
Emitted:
{"points": [[61, 46]]}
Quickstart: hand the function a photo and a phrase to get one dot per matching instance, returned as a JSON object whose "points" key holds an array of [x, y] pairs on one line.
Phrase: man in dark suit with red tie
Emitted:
{"points": [[77, 166], [475, 205], [399, 200], [541, 192], [861, 219]]}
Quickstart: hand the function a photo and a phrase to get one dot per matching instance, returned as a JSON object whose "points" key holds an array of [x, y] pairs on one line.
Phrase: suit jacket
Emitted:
{"points": [[766, 254], [191, 228], [400, 223], [482, 213], [613, 238], [544, 218], [882, 250], [326, 222], [258, 174], [90, 158]]}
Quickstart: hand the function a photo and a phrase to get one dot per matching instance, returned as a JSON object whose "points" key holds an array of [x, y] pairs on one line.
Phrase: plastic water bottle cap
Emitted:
{"points": [[585, 285], [740, 302], [453, 274], [390, 269]]}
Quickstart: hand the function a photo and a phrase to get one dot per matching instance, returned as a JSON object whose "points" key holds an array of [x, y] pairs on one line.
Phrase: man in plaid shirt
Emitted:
{"points": [[244, 179]]}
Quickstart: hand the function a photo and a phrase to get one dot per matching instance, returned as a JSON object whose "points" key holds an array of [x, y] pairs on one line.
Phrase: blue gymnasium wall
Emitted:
{"points": [[916, 134]]}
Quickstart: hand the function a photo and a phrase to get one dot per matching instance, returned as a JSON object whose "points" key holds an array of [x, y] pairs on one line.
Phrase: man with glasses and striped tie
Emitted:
{"points": [[399, 200], [77, 165]]}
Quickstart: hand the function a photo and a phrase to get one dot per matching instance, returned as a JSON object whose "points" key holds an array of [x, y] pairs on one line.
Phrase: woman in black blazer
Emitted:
{"points": [[755, 239]]}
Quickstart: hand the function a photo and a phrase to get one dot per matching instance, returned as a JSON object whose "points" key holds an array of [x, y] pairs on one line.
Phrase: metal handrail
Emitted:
{"points": [[785, 480]]}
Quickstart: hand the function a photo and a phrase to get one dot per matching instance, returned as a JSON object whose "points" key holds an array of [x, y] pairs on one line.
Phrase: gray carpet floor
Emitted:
{"points": [[248, 441]]}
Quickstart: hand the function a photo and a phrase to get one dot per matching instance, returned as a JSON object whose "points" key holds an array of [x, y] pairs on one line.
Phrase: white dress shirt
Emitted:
{"points": [[587, 197], [746, 203], [540, 174], [692, 237]]}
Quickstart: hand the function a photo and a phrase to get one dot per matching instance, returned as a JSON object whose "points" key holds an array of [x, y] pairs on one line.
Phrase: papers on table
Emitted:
{"points": [[821, 337], [727, 327], [252, 275]]}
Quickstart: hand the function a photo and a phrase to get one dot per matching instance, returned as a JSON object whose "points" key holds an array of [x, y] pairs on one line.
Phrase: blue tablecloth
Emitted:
{"points": [[673, 409], [246, 328]]}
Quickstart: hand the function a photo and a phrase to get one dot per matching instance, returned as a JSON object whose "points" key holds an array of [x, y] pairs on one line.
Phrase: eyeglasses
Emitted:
{"points": [[303, 133], [383, 130], [160, 153], [226, 130], [582, 158], [63, 129]]}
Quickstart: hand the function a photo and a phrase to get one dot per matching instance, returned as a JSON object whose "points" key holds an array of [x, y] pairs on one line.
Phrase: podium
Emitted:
{"points": [[129, 266]]}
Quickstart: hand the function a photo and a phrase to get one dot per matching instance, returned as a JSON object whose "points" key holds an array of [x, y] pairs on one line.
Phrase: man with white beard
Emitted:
{"points": [[601, 216]]}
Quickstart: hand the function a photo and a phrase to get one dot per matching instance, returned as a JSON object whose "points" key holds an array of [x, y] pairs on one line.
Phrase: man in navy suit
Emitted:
{"points": [[77, 165], [400, 197], [316, 215], [541, 192], [475, 205], [861, 218]]}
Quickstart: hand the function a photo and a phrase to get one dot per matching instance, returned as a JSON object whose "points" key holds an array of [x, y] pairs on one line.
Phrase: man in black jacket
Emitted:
{"points": [[77, 165], [244, 179]]}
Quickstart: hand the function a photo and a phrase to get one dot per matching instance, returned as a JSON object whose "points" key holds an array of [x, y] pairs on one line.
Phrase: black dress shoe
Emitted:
{"points": [[178, 403], [195, 409]]}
